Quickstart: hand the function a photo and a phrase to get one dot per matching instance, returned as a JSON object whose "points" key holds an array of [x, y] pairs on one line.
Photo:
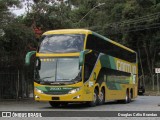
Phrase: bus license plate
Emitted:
{"points": [[55, 98]]}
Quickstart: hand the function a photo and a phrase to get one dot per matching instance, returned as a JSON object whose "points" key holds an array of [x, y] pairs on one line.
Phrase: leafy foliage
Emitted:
{"points": [[134, 23], [16, 42]]}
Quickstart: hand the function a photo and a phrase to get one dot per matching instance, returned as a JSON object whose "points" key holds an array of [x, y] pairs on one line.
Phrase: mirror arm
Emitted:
{"points": [[82, 56], [28, 57]]}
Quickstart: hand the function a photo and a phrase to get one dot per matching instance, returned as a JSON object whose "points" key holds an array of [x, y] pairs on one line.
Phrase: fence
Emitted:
{"points": [[14, 84]]}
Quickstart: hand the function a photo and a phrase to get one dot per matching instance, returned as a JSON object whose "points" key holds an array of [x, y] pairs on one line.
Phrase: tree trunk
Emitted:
{"points": [[152, 82], [23, 84], [17, 88], [149, 63], [141, 66]]}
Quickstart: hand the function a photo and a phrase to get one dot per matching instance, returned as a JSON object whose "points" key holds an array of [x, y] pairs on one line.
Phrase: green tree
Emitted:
{"points": [[5, 15], [16, 42], [55, 15], [134, 23]]}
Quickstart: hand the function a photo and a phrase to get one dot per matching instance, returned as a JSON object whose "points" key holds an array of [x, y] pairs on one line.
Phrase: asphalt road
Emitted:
{"points": [[141, 103]]}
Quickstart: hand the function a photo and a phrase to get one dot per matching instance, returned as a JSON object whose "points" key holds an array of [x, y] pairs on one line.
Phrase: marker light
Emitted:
{"points": [[38, 90], [73, 91]]}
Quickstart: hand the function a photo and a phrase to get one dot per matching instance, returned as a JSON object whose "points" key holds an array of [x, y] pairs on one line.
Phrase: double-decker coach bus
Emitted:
{"points": [[78, 65]]}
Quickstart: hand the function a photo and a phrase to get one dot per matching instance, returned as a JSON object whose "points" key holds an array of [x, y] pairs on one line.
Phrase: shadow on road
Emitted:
{"points": [[69, 106], [81, 105]]}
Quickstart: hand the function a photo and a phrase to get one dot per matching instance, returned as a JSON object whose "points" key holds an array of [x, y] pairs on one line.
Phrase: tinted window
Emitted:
{"points": [[103, 46], [90, 61]]}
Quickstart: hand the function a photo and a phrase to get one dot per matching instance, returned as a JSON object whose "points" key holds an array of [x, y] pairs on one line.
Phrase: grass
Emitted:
{"points": [[150, 92]]}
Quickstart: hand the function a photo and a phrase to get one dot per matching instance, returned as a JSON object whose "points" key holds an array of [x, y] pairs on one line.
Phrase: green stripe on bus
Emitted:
{"points": [[112, 62], [108, 62], [55, 89], [116, 84]]}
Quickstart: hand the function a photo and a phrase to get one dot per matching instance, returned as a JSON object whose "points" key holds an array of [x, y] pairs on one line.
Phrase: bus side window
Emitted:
{"points": [[90, 61], [86, 73]]}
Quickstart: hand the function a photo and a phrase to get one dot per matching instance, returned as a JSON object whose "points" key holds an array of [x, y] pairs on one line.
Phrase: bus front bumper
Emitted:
{"points": [[76, 97]]}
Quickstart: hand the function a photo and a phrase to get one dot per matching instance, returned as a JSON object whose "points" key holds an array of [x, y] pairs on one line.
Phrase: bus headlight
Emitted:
{"points": [[38, 90], [73, 91]]}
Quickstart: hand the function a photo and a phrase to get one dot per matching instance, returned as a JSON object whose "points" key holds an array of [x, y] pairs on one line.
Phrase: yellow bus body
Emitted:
{"points": [[87, 88]]}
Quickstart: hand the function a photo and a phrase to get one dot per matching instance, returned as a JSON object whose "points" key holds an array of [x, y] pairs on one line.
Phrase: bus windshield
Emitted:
{"points": [[62, 43], [58, 69]]}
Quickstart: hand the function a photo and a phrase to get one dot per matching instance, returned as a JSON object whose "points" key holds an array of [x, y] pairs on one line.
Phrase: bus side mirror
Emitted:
{"points": [[82, 57], [28, 57]]}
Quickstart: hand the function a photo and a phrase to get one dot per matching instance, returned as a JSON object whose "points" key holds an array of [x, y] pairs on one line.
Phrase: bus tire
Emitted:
{"points": [[95, 99], [101, 97], [127, 97], [54, 104], [130, 96]]}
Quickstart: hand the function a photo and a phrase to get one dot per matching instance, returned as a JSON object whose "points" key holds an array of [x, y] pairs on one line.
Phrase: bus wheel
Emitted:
{"points": [[101, 98], [95, 99], [127, 97], [130, 97], [54, 104]]}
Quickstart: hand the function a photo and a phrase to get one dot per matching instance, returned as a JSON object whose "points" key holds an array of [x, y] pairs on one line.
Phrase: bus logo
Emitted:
{"points": [[126, 67], [56, 88]]}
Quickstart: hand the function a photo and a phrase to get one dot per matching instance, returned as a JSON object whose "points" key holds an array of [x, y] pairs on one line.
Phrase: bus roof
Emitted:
{"points": [[68, 31], [85, 31]]}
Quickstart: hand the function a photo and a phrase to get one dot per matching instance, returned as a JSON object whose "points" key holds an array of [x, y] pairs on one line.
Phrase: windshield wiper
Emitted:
{"points": [[63, 82], [57, 83], [77, 79], [62, 79], [46, 77]]}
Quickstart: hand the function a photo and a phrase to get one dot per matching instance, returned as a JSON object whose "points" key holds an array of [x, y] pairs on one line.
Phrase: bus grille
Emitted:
{"points": [[56, 93]]}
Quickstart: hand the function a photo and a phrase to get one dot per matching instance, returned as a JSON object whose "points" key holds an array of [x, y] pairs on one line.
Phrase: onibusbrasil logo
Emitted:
{"points": [[21, 114]]}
